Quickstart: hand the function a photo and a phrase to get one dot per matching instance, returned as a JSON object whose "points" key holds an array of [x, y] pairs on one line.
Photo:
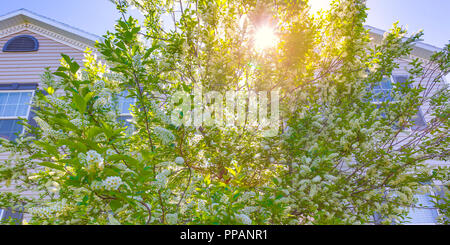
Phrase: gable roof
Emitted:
{"points": [[420, 49], [12, 21], [20, 19]]}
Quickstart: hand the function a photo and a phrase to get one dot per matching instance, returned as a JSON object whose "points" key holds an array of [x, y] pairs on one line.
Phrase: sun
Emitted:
{"points": [[265, 38], [317, 5]]}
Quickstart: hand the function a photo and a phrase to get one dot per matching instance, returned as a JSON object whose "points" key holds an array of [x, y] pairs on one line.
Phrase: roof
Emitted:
{"points": [[420, 49], [24, 16]]}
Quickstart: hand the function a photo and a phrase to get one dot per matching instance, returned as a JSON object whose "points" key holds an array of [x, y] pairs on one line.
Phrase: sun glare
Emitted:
{"points": [[265, 38], [317, 5]]}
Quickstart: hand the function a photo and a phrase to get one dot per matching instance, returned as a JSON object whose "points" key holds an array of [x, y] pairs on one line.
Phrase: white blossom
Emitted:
{"points": [[316, 179], [172, 218], [112, 183], [164, 135], [161, 178], [243, 218], [100, 103], [179, 160], [79, 122], [51, 211], [94, 160], [99, 85], [97, 185], [110, 152]]}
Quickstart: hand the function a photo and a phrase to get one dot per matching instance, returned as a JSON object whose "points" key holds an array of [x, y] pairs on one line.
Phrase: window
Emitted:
{"points": [[22, 43], [382, 92], [424, 211], [13, 104], [125, 103], [124, 106], [16, 215], [418, 121]]}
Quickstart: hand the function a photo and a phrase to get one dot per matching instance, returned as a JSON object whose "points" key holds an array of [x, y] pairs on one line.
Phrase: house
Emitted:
{"points": [[30, 42]]}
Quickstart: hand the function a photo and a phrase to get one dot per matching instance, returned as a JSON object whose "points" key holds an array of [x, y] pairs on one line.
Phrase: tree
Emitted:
{"points": [[338, 157]]}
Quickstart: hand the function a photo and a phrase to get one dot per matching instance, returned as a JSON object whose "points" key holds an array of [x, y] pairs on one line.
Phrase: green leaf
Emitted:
{"points": [[127, 159], [80, 103], [115, 204], [51, 165], [72, 64], [61, 74]]}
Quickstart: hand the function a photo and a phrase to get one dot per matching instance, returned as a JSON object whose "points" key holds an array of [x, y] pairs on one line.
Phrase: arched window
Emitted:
{"points": [[22, 43]]}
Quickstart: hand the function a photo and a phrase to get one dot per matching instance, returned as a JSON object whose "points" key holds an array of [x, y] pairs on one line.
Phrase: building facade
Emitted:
{"points": [[29, 43]]}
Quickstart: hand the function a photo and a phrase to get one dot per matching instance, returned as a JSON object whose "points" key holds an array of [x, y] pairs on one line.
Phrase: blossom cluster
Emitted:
{"points": [[80, 123], [112, 183], [104, 101], [47, 130], [179, 160], [99, 85], [243, 218], [160, 114], [172, 219], [164, 135], [94, 160], [51, 211], [161, 178]]}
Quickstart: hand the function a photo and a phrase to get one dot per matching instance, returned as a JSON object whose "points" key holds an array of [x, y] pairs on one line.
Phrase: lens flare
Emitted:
{"points": [[265, 38]]}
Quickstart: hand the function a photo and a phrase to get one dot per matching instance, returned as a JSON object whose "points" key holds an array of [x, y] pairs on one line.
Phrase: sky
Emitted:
{"points": [[98, 16]]}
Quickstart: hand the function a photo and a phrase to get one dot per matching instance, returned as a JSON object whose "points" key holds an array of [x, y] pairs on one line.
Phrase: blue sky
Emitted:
{"points": [[98, 16]]}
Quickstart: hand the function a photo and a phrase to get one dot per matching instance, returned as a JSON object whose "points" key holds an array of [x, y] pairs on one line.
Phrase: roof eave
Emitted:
{"points": [[421, 45], [84, 36]]}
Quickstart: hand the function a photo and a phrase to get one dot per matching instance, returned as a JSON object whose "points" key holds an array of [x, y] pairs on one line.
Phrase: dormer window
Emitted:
{"points": [[22, 43]]}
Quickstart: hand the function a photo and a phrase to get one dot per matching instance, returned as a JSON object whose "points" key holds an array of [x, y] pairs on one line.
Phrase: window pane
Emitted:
{"points": [[125, 121], [13, 98], [22, 110], [400, 79], [14, 104], [10, 111], [418, 121], [124, 103], [386, 84], [3, 98], [25, 98], [382, 91], [8, 128]]}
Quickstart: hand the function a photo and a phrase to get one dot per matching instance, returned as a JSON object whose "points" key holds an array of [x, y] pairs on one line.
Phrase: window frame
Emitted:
{"points": [[118, 102], [419, 111], [391, 79], [125, 117], [34, 39], [29, 105]]}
